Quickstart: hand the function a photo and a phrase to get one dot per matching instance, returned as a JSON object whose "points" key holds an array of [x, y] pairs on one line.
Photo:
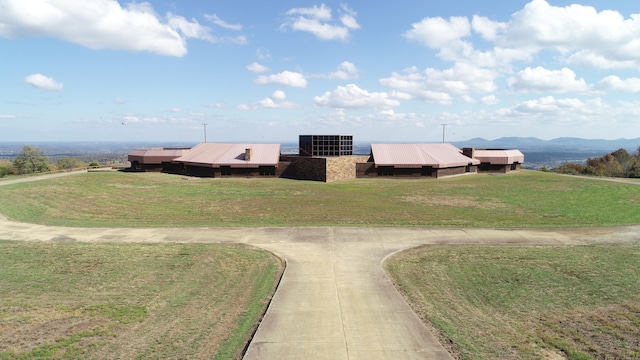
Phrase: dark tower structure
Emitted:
{"points": [[325, 145]]}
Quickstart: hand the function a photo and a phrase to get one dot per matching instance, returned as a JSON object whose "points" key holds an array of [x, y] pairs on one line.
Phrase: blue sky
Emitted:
{"points": [[258, 71]]}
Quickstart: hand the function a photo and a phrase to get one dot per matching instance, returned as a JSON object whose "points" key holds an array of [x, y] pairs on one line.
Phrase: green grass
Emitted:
{"points": [[75, 300], [518, 302], [527, 199]]}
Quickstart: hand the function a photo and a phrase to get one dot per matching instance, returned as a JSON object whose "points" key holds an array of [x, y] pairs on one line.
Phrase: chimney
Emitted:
{"points": [[468, 152], [247, 154]]}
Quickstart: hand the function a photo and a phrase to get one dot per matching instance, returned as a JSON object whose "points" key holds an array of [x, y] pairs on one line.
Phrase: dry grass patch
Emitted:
{"points": [[431, 200], [73, 300], [489, 302]]}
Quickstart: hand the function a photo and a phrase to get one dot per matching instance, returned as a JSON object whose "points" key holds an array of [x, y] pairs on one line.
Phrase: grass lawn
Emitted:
{"points": [[501, 302], [528, 199], [74, 300]]}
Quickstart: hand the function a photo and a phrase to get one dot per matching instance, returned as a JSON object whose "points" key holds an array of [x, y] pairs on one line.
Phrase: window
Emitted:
{"points": [[267, 170], [225, 170], [385, 171]]}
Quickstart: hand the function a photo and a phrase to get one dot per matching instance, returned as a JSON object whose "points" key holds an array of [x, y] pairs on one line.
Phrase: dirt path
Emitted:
{"points": [[334, 301]]}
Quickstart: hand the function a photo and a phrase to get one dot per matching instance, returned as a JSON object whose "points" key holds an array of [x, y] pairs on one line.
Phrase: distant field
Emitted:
{"points": [[73, 300], [501, 302], [528, 199]]}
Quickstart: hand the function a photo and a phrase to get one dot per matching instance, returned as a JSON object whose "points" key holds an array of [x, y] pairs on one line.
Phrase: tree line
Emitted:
{"points": [[615, 164], [32, 160]]}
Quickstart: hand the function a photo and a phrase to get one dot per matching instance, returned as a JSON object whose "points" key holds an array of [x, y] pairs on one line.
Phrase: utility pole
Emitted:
{"points": [[205, 131], [443, 125]]}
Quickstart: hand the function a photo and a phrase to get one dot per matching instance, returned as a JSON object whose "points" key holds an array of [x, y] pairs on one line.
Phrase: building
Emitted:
{"points": [[159, 159], [325, 158], [416, 160], [496, 160], [219, 160], [325, 145]]}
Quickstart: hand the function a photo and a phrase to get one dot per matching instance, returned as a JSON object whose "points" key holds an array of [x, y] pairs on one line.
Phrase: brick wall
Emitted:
{"points": [[304, 168], [366, 169]]}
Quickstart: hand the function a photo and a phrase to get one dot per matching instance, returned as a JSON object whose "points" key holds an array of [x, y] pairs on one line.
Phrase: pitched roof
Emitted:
{"points": [[499, 157], [419, 155], [155, 156], [216, 154]]}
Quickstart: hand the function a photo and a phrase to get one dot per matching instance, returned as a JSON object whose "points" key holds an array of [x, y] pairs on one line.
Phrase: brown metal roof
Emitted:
{"points": [[499, 157], [155, 156], [216, 154], [419, 155]]}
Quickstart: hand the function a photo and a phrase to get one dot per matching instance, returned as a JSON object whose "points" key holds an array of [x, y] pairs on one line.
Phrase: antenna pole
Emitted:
{"points": [[443, 125], [205, 131]]}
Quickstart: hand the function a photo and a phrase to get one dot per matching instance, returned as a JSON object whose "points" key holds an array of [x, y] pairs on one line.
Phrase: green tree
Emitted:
{"points": [[6, 168], [30, 161]]}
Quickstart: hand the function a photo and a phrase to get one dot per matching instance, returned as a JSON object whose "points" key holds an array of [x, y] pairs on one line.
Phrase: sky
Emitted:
{"points": [[268, 71]]}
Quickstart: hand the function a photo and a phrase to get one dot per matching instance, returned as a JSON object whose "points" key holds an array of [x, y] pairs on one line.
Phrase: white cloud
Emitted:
{"points": [[413, 82], [462, 78], [437, 32], [486, 27], [348, 18], [549, 104], [277, 100], [345, 71], [257, 68], [216, 20], [615, 83], [580, 34], [6, 116], [319, 22], [43, 82], [602, 39], [174, 110], [215, 105], [119, 101], [490, 100], [153, 120], [353, 97], [190, 29], [263, 54], [104, 24], [321, 13], [193, 29], [540, 79], [437, 86], [287, 78], [279, 95]]}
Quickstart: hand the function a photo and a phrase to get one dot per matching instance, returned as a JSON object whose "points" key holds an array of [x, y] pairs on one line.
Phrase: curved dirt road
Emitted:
{"points": [[334, 300]]}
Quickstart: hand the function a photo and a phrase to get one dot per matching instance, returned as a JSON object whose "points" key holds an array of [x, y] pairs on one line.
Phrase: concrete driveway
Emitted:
{"points": [[334, 300]]}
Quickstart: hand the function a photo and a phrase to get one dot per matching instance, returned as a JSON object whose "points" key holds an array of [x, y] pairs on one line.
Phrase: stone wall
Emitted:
{"points": [[343, 167], [325, 169]]}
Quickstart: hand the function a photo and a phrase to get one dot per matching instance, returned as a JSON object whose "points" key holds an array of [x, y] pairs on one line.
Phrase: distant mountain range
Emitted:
{"points": [[558, 144]]}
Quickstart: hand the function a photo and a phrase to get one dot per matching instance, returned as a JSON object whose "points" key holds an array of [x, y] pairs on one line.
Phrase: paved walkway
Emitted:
{"points": [[334, 300]]}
